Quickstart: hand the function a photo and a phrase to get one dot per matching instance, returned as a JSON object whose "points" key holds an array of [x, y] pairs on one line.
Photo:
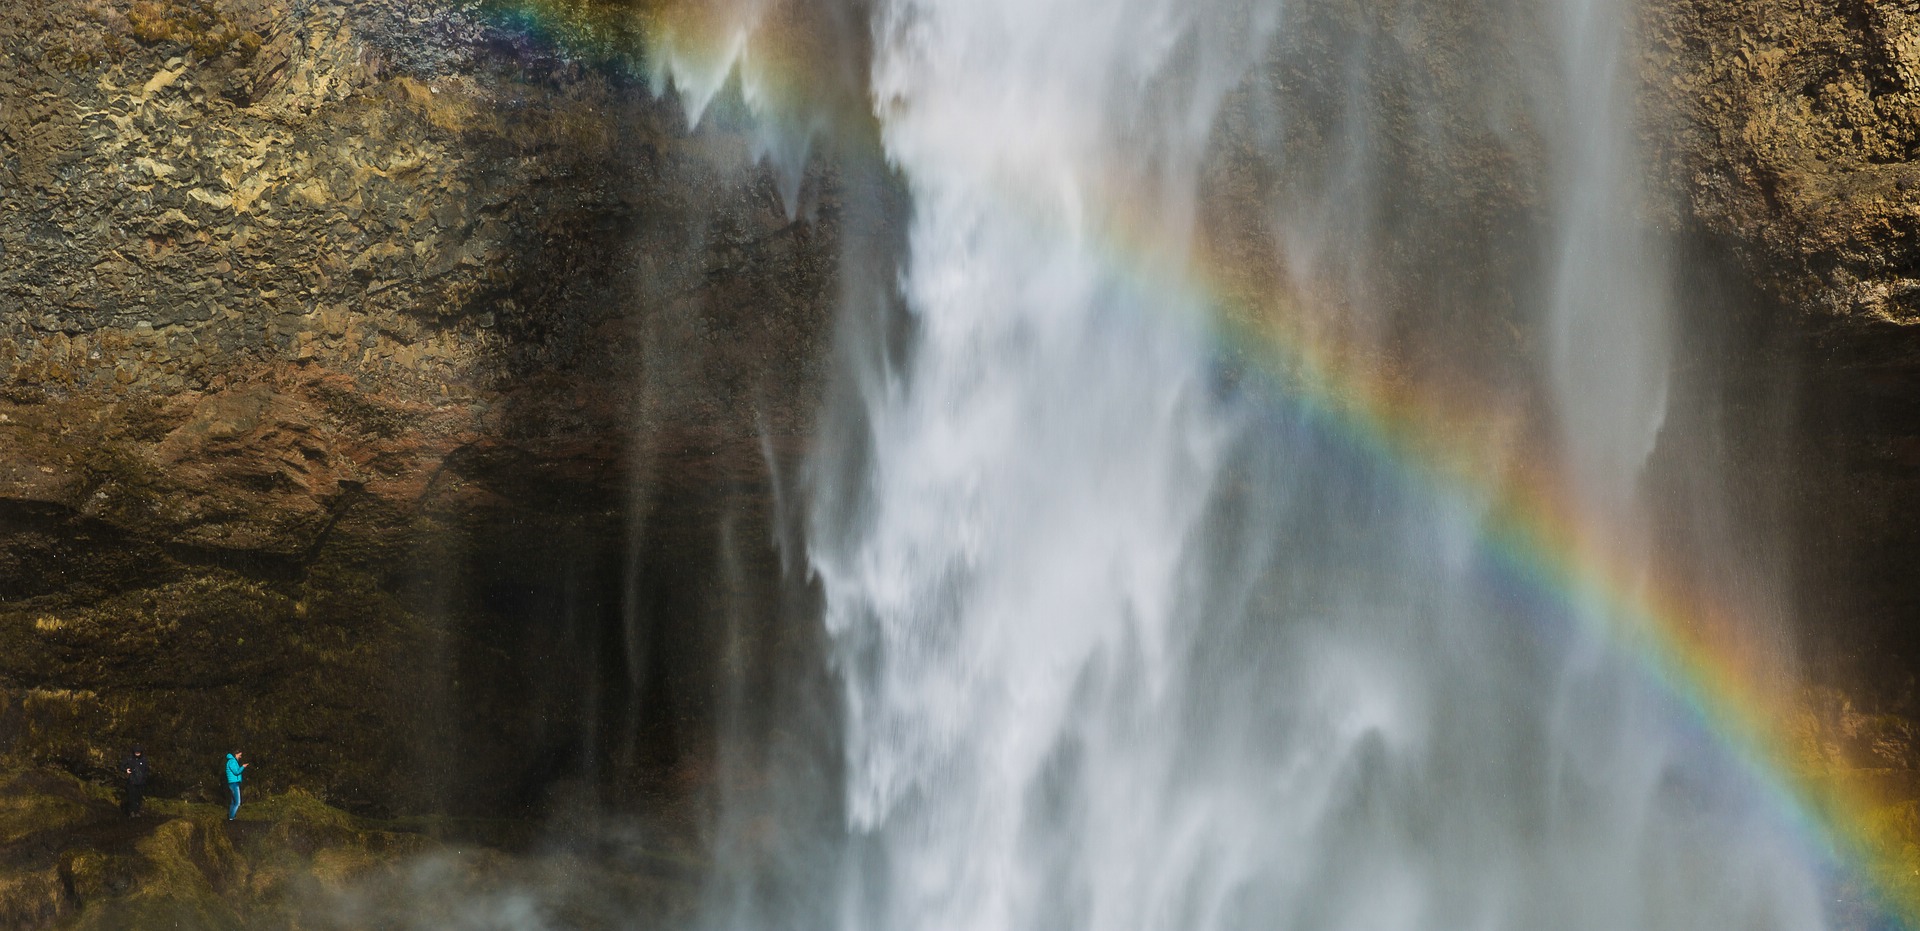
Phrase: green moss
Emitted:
{"points": [[183, 865], [33, 802], [607, 32], [198, 24], [31, 899], [179, 868], [190, 632], [301, 807], [317, 678]]}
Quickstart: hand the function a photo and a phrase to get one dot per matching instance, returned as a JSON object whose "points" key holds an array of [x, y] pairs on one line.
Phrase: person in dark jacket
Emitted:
{"points": [[134, 770], [236, 771]]}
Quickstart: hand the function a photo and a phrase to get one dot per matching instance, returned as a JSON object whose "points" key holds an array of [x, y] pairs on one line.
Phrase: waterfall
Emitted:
{"points": [[1122, 634]]}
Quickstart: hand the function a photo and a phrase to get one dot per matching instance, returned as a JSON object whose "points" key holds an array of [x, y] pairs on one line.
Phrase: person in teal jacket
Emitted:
{"points": [[236, 771]]}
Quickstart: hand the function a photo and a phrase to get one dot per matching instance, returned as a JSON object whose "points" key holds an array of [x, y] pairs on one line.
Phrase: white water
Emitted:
{"points": [[1119, 646]]}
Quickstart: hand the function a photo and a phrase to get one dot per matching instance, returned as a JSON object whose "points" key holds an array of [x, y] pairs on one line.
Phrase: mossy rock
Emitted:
{"points": [[72, 860], [35, 801], [198, 24]]}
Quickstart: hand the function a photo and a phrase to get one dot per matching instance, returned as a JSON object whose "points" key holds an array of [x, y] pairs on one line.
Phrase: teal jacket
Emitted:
{"points": [[234, 769]]}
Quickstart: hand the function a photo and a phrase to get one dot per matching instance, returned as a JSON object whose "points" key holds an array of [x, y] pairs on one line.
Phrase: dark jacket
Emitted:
{"points": [[134, 769]]}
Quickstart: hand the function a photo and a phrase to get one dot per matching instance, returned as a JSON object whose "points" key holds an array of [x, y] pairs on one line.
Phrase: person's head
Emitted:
{"points": [[138, 752], [235, 754]]}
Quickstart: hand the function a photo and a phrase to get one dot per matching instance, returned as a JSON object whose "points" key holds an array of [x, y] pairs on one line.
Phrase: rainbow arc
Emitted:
{"points": [[1449, 444]]}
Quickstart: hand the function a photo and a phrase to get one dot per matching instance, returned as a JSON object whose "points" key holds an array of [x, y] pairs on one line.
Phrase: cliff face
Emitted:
{"points": [[390, 396], [1790, 131], [358, 362], [1797, 133]]}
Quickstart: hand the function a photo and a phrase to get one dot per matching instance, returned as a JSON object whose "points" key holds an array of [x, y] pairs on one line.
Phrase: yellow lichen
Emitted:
{"points": [[197, 24]]}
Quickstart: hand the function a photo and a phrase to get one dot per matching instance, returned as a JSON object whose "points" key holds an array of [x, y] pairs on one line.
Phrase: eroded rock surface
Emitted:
{"points": [[357, 360], [1789, 131]]}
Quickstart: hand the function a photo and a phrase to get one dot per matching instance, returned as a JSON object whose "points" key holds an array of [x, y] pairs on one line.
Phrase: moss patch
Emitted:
{"points": [[197, 24], [72, 860]]}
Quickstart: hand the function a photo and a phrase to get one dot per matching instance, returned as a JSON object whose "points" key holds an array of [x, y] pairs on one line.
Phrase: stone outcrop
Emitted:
{"points": [[358, 361], [1796, 134], [1788, 130]]}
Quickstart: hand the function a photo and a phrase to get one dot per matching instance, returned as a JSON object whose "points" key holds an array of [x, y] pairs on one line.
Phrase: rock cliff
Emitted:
{"points": [[1788, 130], [358, 362], [396, 396]]}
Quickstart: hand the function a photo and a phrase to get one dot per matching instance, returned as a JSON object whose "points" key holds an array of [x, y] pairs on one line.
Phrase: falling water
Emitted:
{"points": [[1123, 639]]}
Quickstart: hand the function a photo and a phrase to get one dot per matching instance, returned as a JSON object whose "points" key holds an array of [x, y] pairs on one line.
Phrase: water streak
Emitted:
{"points": [[1121, 645]]}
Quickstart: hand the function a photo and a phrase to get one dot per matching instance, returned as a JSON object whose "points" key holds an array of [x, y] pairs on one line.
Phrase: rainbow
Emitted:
{"points": [[1692, 644]]}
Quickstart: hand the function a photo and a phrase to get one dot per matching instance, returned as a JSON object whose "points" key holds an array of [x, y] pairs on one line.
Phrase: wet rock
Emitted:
{"points": [[1788, 132], [329, 309]]}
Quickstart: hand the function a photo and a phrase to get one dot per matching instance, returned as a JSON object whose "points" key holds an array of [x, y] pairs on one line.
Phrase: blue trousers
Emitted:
{"points": [[233, 809]]}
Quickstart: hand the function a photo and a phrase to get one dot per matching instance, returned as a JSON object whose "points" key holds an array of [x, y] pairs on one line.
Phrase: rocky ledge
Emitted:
{"points": [[69, 858]]}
